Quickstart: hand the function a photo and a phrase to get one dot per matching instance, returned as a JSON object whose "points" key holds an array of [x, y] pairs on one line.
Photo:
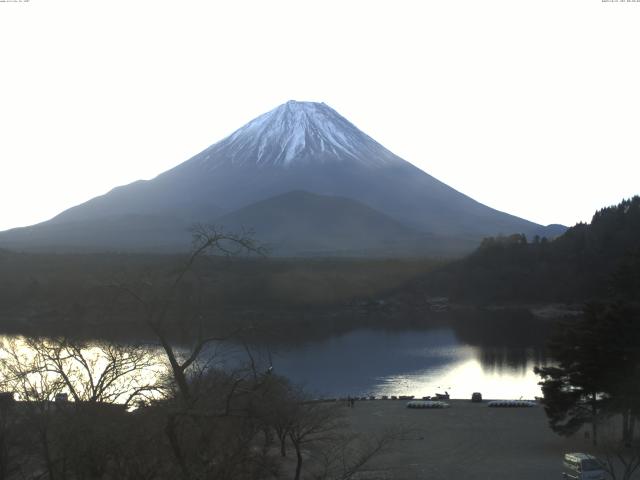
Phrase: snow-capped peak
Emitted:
{"points": [[297, 132]]}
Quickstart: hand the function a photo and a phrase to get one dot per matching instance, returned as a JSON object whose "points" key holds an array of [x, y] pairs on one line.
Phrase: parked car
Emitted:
{"points": [[582, 466], [476, 397]]}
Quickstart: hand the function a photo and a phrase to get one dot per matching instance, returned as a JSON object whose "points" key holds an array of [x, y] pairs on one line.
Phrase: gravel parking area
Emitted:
{"points": [[466, 441]]}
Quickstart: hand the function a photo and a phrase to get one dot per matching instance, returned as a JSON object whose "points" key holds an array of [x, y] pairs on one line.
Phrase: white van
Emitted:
{"points": [[582, 466]]}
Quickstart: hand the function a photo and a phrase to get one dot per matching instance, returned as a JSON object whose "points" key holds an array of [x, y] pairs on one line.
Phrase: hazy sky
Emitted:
{"points": [[531, 107]]}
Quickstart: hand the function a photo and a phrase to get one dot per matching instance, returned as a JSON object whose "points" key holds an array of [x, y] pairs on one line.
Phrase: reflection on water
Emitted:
{"points": [[416, 362]]}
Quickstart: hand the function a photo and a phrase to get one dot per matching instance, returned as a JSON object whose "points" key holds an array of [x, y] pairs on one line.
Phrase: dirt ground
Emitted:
{"points": [[466, 441]]}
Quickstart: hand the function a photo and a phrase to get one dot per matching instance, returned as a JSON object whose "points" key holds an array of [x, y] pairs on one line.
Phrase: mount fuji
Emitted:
{"points": [[304, 178]]}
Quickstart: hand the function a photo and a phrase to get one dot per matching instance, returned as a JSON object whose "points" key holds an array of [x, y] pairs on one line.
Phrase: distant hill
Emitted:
{"points": [[589, 261], [301, 223], [298, 146]]}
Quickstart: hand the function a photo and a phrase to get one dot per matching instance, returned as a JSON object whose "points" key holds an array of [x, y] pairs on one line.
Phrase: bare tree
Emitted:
{"points": [[333, 450], [313, 423], [168, 302], [98, 373], [348, 454], [24, 374], [74, 436], [621, 456], [11, 438], [158, 304]]}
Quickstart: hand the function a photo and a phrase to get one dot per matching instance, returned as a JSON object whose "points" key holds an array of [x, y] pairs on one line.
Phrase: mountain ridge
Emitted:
{"points": [[299, 146]]}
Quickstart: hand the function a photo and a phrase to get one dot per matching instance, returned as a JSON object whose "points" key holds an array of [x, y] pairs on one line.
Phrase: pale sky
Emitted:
{"points": [[531, 107]]}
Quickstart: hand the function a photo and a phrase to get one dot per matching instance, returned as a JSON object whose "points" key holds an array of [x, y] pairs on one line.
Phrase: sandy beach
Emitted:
{"points": [[466, 441]]}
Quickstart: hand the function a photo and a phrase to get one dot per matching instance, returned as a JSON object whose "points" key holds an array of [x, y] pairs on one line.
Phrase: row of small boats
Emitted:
{"points": [[427, 404], [492, 404]]}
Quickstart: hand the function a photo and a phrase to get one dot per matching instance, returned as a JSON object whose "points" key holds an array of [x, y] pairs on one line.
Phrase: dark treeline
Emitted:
{"points": [[589, 261], [42, 292], [517, 328], [263, 281]]}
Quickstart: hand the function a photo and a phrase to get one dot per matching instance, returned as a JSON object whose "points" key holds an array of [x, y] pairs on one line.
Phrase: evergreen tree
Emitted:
{"points": [[598, 370]]}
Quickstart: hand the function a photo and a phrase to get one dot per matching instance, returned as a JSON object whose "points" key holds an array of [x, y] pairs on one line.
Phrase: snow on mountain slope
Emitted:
{"points": [[297, 132]]}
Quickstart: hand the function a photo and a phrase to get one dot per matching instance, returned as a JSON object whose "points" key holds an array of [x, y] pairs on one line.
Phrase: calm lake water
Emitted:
{"points": [[460, 358], [410, 362]]}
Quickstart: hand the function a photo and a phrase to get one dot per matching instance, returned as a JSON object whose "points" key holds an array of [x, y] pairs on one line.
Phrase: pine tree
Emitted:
{"points": [[598, 370]]}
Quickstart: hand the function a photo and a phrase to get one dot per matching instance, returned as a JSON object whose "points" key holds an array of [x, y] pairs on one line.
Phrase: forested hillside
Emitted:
{"points": [[595, 260], [48, 289]]}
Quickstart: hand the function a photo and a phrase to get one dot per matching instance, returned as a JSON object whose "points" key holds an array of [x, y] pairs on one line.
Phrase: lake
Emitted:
{"points": [[494, 355], [409, 362]]}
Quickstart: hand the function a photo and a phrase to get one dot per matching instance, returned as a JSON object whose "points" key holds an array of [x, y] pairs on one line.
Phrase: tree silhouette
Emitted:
{"points": [[598, 370]]}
